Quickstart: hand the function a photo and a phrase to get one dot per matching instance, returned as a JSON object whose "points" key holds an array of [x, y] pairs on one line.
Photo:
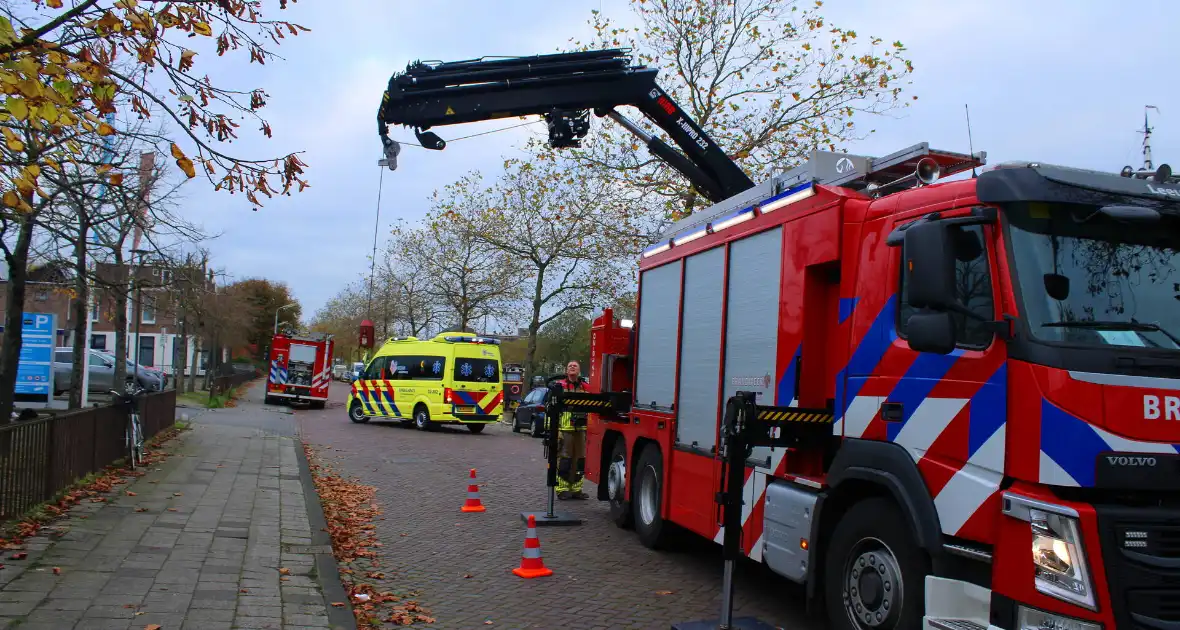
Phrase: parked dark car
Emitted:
{"points": [[530, 414]]}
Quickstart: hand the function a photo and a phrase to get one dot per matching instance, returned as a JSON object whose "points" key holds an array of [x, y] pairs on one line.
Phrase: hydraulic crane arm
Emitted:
{"points": [[563, 88]]}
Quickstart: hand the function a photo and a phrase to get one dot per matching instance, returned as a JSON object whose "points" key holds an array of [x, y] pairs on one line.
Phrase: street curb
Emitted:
{"points": [[341, 618]]}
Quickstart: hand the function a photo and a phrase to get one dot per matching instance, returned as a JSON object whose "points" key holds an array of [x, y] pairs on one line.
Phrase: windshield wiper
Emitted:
{"points": [[1114, 325]]}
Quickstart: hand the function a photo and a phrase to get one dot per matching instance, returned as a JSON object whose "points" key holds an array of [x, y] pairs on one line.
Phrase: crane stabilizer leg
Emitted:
{"points": [[746, 425], [561, 401], [563, 87]]}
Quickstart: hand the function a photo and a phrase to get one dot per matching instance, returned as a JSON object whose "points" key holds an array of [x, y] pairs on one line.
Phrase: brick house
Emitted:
{"points": [[157, 341], [159, 329]]}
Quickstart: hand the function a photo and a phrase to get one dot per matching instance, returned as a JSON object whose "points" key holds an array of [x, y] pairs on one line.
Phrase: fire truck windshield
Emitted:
{"points": [[1088, 279]]}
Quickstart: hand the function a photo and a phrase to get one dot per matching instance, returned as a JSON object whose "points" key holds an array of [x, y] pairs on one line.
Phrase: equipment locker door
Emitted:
{"points": [[947, 411], [697, 391]]}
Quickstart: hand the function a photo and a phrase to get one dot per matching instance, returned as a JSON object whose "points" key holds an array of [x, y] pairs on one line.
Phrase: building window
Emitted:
{"points": [[147, 351], [94, 312], [98, 342], [42, 295], [148, 309]]}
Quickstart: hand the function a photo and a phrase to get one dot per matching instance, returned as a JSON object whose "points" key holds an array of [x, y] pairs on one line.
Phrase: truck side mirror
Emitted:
{"points": [[931, 331], [930, 265]]}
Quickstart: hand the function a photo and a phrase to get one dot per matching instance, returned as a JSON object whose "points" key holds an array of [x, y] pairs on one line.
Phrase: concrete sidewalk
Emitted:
{"points": [[221, 518]]}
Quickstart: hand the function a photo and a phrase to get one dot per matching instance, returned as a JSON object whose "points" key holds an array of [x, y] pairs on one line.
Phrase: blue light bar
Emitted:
{"points": [[691, 236], [732, 219], [660, 247], [790, 196]]}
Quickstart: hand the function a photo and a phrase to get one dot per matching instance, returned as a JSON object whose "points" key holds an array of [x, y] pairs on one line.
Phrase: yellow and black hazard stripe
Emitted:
{"points": [[574, 402], [795, 415]]}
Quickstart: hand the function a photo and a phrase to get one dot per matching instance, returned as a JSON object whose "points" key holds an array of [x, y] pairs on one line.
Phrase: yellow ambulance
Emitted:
{"points": [[453, 378]]}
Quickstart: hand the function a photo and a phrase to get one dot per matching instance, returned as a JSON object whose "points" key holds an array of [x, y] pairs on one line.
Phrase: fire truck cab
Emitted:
{"points": [[998, 361]]}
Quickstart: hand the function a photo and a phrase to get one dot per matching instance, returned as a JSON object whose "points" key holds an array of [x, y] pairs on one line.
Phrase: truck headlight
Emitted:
{"points": [[1058, 557], [1033, 619]]}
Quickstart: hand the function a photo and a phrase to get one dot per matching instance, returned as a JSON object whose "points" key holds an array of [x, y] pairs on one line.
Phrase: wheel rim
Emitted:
{"points": [[616, 479], [356, 412], [873, 588], [649, 491], [420, 419]]}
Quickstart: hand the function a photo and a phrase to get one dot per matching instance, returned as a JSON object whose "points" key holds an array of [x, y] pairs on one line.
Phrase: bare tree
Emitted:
{"points": [[548, 220]]}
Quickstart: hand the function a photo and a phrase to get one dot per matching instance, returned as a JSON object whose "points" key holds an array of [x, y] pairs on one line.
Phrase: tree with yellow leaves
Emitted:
{"points": [[65, 67]]}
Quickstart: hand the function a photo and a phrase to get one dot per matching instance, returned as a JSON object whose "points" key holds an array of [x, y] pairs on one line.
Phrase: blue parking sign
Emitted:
{"points": [[34, 373]]}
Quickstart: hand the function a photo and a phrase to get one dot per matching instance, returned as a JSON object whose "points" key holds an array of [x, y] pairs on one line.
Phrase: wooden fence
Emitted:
{"points": [[40, 458]]}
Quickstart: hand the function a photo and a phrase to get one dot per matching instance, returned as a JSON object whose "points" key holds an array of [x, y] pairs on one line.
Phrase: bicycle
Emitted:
{"points": [[133, 434]]}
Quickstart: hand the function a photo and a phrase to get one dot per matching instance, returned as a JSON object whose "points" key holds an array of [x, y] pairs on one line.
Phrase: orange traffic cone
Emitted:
{"points": [[531, 564], [472, 504]]}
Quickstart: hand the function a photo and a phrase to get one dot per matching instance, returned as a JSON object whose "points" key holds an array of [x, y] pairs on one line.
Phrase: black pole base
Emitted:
{"points": [[740, 623], [558, 518]]}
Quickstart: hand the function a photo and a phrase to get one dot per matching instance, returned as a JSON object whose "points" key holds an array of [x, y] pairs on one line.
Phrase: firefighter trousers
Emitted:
{"points": [[571, 460]]}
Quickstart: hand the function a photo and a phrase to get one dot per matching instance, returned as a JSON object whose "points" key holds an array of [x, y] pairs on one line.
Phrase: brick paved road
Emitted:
{"points": [[460, 563]]}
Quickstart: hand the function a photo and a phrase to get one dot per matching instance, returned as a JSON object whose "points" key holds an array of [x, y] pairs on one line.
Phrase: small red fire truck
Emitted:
{"points": [[300, 369]]}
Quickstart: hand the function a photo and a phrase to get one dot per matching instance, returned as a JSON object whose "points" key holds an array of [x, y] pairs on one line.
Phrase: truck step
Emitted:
{"points": [[953, 624]]}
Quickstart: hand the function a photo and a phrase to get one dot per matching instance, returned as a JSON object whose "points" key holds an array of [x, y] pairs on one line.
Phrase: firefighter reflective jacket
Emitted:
{"points": [[573, 421]]}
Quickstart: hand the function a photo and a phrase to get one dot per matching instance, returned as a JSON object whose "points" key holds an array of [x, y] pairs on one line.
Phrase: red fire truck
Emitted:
{"points": [[300, 369], [983, 373]]}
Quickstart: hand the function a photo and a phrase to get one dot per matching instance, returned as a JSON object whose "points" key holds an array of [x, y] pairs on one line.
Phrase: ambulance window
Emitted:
{"points": [[424, 367], [376, 369], [399, 368], [475, 370], [973, 281]]}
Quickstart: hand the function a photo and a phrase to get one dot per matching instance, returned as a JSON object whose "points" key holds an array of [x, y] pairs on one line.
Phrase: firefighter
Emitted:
{"points": [[571, 449]]}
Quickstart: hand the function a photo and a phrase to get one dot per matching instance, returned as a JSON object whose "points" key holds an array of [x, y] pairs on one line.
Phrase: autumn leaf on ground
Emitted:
{"points": [[152, 626], [19, 556], [57, 570], [284, 571], [664, 592], [177, 494], [130, 493], [338, 604]]}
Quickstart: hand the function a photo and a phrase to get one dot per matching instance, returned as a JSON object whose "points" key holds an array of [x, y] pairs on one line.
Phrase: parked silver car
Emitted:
{"points": [[156, 379], [102, 372]]}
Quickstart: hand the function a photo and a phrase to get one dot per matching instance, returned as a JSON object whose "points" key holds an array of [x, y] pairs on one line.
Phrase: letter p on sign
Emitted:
{"points": [[42, 320]]}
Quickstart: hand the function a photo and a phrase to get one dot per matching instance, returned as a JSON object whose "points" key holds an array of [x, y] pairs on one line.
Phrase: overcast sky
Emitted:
{"points": [[1062, 81]]}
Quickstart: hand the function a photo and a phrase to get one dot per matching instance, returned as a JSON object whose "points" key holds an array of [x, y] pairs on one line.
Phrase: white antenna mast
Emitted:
{"points": [[1163, 174], [1147, 166]]}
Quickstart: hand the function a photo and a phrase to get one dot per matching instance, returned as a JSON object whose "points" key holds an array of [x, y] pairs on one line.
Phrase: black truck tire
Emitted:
{"points": [[616, 485], [647, 495], [874, 573]]}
